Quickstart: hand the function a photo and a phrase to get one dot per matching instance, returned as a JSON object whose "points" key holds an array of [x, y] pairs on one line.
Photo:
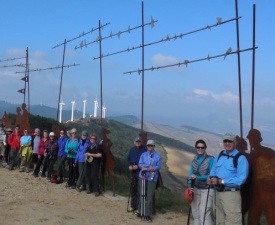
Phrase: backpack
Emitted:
{"points": [[235, 158]]}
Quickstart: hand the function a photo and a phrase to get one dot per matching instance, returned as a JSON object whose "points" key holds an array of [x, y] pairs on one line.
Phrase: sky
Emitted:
{"points": [[202, 94]]}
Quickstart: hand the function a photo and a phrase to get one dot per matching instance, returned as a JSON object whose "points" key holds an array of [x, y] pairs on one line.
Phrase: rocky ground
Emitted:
{"points": [[25, 199]]}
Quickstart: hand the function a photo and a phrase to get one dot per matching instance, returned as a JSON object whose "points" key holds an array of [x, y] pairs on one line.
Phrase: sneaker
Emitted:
{"points": [[27, 170], [148, 219], [21, 170], [78, 189], [7, 167], [138, 214], [97, 194], [130, 210]]}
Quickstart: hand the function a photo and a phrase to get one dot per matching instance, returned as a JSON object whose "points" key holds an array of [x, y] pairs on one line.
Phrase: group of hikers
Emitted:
{"points": [[42, 151], [213, 182]]}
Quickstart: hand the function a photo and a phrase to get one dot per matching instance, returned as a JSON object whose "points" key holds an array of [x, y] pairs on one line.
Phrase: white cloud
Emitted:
{"points": [[162, 60], [223, 97]]}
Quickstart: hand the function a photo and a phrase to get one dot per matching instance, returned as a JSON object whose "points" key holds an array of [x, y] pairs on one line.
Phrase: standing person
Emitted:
{"points": [[25, 151], [3, 143], [71, 150], [41, 153], [228, 173], [62, 155], [132, 159], [80, 160], [35, 142], [14, 142], [52, 151], [203, 195], [8, 147], [149, 164], [94, 150]]}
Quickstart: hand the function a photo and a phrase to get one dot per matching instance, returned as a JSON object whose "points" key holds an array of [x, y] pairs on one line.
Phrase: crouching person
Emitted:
{"points": [[149, 164]]}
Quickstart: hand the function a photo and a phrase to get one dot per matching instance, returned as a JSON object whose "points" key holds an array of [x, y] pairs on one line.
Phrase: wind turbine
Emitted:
{"points": [[73, 105], [84, 108], [60, 109], [103, 111], [95, 108]]}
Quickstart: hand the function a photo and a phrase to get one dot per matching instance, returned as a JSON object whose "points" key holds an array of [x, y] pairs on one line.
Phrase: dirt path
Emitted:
{"points": [[25, 200]]}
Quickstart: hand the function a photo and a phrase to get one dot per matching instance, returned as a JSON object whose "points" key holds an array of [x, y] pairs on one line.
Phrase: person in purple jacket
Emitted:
{"points": [[149, 164], [62, 155], [80, 159]]}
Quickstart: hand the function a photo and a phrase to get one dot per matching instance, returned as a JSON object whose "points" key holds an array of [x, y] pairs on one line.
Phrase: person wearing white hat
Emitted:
{"points": [[149, 164]]}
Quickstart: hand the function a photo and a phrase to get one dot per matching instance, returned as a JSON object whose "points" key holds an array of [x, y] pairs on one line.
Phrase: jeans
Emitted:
{"points": [[13, 154]]}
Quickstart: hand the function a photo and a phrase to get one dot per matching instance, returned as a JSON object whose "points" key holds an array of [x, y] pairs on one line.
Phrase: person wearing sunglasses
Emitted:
{"points": [[227, 175], [203, 195], [149, 164]]}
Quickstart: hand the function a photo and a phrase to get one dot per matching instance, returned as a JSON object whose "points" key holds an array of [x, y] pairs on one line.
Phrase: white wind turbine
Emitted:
{"points": [[84, 108], [103, 112], [73, 105], [60, 109], [95, 108]]}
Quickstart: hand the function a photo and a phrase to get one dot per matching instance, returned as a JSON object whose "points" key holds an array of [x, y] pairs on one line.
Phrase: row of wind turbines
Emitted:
{"points": [[96, 107]]}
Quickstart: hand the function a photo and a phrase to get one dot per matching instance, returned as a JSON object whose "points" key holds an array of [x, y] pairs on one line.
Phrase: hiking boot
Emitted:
{"points": [[7, 167], [43, 175], [27, 170], [97, 194], [78, 189], [88, 189], [138, 214], [148, 219], [21, 169], [35, 175]]}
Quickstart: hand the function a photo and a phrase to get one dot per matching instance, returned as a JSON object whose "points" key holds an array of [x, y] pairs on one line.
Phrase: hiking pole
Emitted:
{"points": [[143, 192], [189, 211], [206, 204], [130, 191]]}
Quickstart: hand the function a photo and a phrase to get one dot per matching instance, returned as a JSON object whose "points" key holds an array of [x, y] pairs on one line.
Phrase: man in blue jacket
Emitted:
{"points": [[149, 164], [132, 159], [228, 173]]}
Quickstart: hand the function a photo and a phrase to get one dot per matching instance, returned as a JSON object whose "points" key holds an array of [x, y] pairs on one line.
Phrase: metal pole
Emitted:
{"points": [[253, 65], [142, 95], [239, 68], [60, 87], [28, 74], [100, 62]]}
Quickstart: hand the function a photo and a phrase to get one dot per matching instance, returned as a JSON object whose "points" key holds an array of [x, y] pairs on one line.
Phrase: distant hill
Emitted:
{"points": [[185, 134]]}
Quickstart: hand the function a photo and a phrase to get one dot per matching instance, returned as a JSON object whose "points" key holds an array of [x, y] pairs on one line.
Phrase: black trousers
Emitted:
{"points": [[92, 176], [13, 154], [134, 189], [38, 165], [72, 172], [61, 163]]}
